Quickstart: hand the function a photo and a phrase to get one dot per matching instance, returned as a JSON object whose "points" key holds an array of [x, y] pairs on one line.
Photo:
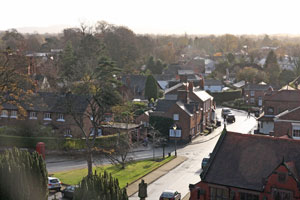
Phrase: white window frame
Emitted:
{"points": [[14, 114], [32, 115], [252, 93], [47, 117], [60, 117], [4, 113], [176, 117], [296, 131], [252, 100]]}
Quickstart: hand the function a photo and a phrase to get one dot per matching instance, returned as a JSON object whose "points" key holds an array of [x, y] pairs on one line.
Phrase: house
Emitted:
{"points": [[209, 66], [187, 115], [164, 79], [213, 85], [49, 109], [197, 65], [134, 86], [245, 166], [254, 93], [287, 123], [239, 85], [275, 102]]}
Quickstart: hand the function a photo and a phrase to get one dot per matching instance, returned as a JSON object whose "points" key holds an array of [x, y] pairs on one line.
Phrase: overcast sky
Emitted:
{"points": [[159, 16]]}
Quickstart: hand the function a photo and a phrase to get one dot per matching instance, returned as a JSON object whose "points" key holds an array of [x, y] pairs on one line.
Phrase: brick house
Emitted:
{"points": [[49, 109], [287, 123], [254, 93], [255, 167], [275, 102]]}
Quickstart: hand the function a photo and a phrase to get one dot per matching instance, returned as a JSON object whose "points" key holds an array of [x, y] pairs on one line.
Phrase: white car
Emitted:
{"points": [[54, 183]]}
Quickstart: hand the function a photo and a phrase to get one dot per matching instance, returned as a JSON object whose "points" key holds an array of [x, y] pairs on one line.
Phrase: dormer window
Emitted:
{"points": [[13, 114], [176, 117], [4, 113], [32, 115], [47, 116], [60, 118]]}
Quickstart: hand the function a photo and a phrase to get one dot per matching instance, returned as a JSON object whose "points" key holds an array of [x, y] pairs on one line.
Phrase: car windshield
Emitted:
{"points": [[167, 194], [54, 181]]}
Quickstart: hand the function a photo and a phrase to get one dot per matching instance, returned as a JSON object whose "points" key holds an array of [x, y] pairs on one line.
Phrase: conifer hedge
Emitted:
{"points": [[100, 187], [23, 176]]}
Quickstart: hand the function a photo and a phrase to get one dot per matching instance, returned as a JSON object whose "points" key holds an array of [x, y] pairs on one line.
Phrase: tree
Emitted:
{"points": [[15, 85], [251, 75], [23, 176], [100, 187], [286, 76], [67, 65], [151, 88], [99, 89], [272, 68]]}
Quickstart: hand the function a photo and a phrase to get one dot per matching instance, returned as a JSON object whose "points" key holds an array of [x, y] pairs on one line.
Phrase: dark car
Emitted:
{"points": [[170, 195], [204, 162], [68, 192], [230, 118]]}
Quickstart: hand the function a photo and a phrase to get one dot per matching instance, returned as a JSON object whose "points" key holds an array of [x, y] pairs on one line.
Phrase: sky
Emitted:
{"points": [[159, 16]]}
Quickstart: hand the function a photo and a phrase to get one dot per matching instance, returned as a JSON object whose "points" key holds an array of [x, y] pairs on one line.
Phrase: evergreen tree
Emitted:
{"points": [[272, 68], [151, 89], [23, 176], [67, 66], [100, 187]]}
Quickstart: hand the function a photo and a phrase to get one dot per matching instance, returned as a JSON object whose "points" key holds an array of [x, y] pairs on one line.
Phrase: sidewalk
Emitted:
{"points": [[156, 174]]}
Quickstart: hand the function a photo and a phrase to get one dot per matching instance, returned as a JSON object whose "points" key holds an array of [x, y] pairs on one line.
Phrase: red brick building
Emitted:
{"points": [[275, 102], [254, 94], [254, 167], [287, 123], [49, 109]]}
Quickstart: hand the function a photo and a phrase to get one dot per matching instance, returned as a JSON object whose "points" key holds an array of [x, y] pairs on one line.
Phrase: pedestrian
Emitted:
{"points": [[248, 116]]}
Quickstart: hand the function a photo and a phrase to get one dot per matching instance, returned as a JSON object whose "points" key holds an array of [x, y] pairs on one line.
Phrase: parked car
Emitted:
{"points": [[68, 192], [225, 112], [230, 118], [170, 195], [54, 183], [204, 162]]}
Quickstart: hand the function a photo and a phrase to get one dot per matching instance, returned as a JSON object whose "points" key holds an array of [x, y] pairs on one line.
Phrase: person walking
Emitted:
{"points": [[248, 116]]}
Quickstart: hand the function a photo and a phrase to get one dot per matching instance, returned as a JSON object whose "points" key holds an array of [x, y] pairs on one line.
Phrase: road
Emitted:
{"points": [[180, 177], [189, 171]]}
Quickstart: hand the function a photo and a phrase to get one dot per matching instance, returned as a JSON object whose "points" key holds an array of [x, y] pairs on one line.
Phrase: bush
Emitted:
{"points": [[27, 129], [98, 187], [162, 124], [23, 176], [221, 97]]}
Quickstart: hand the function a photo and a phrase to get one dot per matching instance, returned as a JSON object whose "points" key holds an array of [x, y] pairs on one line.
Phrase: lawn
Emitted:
{"points": [[132, 172]]}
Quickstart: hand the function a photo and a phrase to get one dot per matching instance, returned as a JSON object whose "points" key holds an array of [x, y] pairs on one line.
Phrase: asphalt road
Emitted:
{"points": [[180, 177]]}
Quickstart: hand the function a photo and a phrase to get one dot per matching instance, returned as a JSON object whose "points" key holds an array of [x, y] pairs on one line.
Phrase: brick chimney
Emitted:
{"points": [[183, 95], [201, 82], [191, 86], [183, 78]]}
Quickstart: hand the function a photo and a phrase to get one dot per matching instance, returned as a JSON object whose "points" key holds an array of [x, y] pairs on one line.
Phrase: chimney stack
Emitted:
{"points": [[183, 95], [183, 78]]}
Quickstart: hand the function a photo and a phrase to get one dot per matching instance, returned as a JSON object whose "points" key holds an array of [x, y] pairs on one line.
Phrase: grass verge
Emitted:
{"points": [[133, 171]]}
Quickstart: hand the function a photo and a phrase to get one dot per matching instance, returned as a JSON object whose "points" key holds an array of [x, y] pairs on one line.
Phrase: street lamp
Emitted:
{"points": [[174, 128]]}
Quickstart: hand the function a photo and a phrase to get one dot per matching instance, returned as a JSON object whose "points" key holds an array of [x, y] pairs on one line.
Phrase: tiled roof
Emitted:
{"points": [[163, 105], [243, 160], [284, 95], [52, 102], [173, 88], [185, 107]]}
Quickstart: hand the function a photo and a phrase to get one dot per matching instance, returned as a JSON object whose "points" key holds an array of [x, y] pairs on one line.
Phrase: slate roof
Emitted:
{"points": [[52, 102], [173, 88], [284, 95], [244, 160], [257, 87], [137, 82], [164, 105], [212, 82]]}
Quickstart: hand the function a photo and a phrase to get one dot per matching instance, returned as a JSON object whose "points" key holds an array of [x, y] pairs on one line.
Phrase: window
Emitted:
{"points": [[47, 116], [252, 93], [32, 115], [270, 110], [60, 118], [296, 133], [281, 177], [68, 131], [176, 117], [4, 113], [251, 100], [281, 194], [13, 114], [248, 196], [218, 194]]}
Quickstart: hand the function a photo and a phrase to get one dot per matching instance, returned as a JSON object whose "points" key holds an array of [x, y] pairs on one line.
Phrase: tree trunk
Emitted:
{"points": [[89, 160]]}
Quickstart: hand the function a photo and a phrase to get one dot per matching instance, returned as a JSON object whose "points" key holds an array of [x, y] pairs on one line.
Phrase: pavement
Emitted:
{"points": [[156, 174]]}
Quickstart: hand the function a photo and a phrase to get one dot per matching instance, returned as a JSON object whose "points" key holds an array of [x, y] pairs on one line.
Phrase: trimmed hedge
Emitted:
{"points": [[54, 143], [221, 97]]}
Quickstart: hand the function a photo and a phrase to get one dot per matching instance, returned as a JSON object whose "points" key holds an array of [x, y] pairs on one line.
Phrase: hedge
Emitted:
{"points": [[221, 97], [54, 143]]}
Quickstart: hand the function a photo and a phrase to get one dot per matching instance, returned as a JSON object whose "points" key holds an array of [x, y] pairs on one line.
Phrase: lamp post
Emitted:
{"points": [[174, 128]]}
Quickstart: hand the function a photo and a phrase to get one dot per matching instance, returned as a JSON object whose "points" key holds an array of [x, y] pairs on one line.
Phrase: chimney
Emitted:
{"points": [[183, 95], [201, 82], [183, 78], [191, 86]]}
